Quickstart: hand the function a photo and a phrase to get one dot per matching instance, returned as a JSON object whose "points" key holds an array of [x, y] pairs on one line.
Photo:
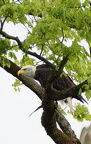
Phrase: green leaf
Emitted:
{"points": [[12, 55], [26, 61], [89, 81], [88, 94], [17, 85], [6, 62], [82, 113], [4, 46]]}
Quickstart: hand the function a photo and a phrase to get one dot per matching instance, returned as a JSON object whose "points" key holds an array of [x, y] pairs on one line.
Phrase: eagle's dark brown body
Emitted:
{"points": [[60, 83]]}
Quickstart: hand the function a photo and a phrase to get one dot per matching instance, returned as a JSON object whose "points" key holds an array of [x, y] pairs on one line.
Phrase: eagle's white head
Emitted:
{"points": [[28, 71]]}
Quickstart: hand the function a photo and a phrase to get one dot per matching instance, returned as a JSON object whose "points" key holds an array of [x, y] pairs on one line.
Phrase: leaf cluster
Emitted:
{"points": [[82, 113], [17, 85]]}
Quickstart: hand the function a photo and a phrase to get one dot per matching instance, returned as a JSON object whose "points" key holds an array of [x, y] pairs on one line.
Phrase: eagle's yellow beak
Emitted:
{"points": [[20, 72]]}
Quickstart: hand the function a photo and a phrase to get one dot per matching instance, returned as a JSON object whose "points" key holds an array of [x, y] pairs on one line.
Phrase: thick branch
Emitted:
{"points": [[67, 129], [73, 91], [62, 64], [49, 121], [30, 83]]}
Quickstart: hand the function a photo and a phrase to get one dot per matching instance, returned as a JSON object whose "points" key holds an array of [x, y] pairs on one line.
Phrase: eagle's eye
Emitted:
{"points": [[24, 69]]}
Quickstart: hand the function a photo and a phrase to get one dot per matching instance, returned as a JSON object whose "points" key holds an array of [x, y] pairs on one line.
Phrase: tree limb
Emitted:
{"points": [[73, 91], [41, 58], [4, 34], [67, 129], [49, 121], [30, 83]]}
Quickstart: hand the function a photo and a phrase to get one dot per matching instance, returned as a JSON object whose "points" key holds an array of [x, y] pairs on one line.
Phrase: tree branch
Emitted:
{"points": [[73, 91], [62, 64], [41, 58], [4, 34], [67, 129], [55, 73], [30, 83], [2, 22], [49, 121]]}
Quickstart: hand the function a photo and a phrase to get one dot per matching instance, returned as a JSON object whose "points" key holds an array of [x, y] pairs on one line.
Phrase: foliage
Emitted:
{"points": [[16, 85], [51, 27], [82, 113]]}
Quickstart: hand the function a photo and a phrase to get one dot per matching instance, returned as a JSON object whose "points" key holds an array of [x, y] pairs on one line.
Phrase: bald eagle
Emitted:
{"points": [[41, 74]]}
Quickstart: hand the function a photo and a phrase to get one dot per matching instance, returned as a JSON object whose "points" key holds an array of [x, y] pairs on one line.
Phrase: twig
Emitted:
{"points": [[63, 36], [2, 23], [41, 50]]}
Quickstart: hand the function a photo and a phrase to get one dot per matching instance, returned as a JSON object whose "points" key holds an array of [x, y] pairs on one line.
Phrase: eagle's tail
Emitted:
{"points": [[80, 98]]}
